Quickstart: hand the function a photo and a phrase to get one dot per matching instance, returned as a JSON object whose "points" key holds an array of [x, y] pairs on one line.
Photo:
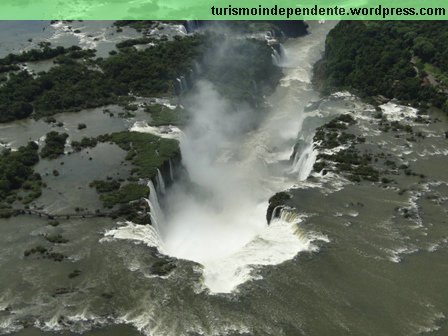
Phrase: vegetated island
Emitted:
{"points": [[380, 61], [78, 80]]}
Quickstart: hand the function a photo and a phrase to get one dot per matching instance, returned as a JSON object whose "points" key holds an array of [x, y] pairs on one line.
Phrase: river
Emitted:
{"points": [[341, 261]]}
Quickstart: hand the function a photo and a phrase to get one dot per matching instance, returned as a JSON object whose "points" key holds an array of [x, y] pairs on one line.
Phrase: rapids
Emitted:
{"points": [[226, 232]]}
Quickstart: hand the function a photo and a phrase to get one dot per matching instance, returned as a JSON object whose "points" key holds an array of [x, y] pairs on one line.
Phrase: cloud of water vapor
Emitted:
{"points": [[234, 154], [218, 217], [211, 219]]}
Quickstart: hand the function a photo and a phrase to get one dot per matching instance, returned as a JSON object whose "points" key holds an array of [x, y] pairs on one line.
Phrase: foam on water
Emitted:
{"points": [[227, 232], [145, 234], [303, 164], [226, 268], [168, 132], [396, 112], [282, 238]]}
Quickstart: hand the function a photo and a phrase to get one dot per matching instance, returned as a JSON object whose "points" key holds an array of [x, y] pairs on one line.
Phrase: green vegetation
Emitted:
{"points": [[127, 193], [54, 145], [350, 163], [105, 186], [84, 143], [16, 173], [8, 68], [45, 52], [74, 274], [162, 115], [79, 82], [163, 267], [69, 87], [56, 239], [389, 58], [136, 212], [348, 160], [45, 253], [331, 134], [147, 152], [76, 85], [53, 222], [38, 249], [151, 72]]}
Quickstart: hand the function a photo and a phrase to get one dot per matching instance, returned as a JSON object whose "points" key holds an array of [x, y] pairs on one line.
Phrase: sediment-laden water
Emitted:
{"points": [[343, 260]]}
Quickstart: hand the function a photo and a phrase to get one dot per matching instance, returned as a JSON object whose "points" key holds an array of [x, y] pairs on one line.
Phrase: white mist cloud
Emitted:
{"points": [[233, 155]]}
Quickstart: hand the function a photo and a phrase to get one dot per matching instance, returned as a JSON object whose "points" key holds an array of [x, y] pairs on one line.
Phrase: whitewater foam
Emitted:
{"points": [[167, 132], [221, 224]]}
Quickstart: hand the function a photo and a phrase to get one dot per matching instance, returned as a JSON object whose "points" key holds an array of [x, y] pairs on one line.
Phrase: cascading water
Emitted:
{"points": [[278, 54], [156, 213], [304, 157], [197, 68], [275, 212], [171, 170], [218, 219], [160, 182], [282, 52], [192, 25], [182, 85], [182, 29], [276, 58]]}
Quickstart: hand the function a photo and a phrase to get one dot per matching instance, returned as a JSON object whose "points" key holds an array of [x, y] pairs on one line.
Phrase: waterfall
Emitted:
{"points": [[192, 25], [282, 52], [156, 213], [278, 53], [304, 161], [160, 182], [190, 77], [179, 90], [182, 29], [171, 170], [275, 211], [153, 216], [182, 85], [221, 221], [276, 58], [197, 68], [289, 215]]}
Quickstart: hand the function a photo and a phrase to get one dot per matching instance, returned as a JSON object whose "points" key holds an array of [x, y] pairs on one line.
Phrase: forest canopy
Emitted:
{"points": [[77, 84], [393, 59], [16, 171]]}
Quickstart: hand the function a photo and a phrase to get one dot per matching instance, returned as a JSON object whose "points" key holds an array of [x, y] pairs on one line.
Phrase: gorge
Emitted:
{"points": [[239, 201]]}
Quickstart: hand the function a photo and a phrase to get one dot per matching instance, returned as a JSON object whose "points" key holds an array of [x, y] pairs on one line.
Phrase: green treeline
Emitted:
{"points": [[80, 82], [151, 72], [75, 85], [16, 172], [145, 151], [54, 145], [243, 71], [45, 52], [407, 60]]}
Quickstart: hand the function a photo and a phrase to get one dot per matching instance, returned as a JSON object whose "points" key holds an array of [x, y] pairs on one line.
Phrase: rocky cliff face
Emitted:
{"points": [[286, 28], [276, 202], [291, 28]]}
